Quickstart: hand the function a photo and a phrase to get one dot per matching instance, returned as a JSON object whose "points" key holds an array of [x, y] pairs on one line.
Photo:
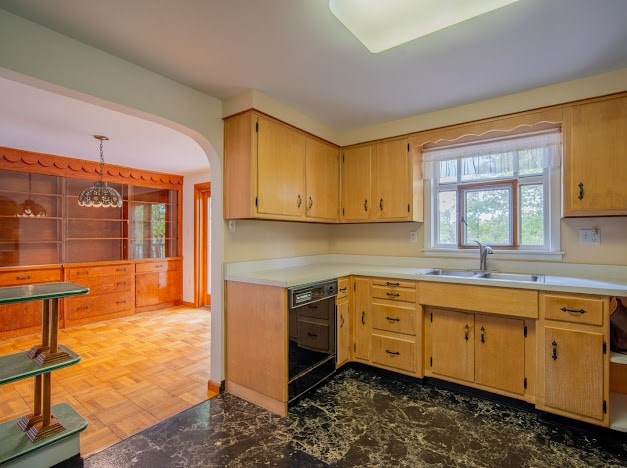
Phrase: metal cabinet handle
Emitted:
{"points": [[366, 205], [120, 302], [82, 273], [573, 311], [84, 307], [392, 319], [554, 344], [341, 321], [392, 294], [363, 317], [310, 202], [343, 289], [123, 269], [121, 283], [388, 283], [22, 278], [482, 335], [312, 306], [466, 331], [381, 204], [580, 190], [392, 353], [299, 201], [313, 335]]}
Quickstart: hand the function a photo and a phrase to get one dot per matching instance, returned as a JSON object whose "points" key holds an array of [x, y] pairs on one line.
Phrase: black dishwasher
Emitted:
{"points": [[312, 344]]}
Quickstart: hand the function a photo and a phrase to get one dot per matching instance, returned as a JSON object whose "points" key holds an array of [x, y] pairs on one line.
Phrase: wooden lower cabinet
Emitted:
{"points": [[361, 320], [573, 372], [111, 291], [486, 350], [343, 302], [158, 283], [24, 317]]}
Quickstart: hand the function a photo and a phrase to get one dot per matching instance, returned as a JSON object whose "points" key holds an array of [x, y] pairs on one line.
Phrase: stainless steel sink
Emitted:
{"points": [[495, 275], [514, 277], [457, 273]]}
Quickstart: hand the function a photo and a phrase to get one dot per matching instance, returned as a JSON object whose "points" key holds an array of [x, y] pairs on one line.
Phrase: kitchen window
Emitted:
{"points": [[503, 192]]}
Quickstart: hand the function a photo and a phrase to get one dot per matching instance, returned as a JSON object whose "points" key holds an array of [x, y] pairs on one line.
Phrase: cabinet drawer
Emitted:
{"points": [[107, 284], [151, 267], [81, 307], [17, 277], [394, 293], [342, 288], [393, 283], [394, 352], [75, 274], [575, 309], [394, 318], [313, 334], [320, 310]]}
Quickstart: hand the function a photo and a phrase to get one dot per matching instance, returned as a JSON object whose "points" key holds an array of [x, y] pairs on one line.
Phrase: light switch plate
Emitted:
{"points": [[590, 236], [413, 236]]}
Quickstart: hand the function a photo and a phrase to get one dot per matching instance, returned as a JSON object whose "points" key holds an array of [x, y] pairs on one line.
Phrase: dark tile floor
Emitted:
{"points": [[363, 418]]}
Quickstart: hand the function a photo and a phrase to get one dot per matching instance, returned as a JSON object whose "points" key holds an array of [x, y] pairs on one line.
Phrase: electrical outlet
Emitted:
{"points": [[413, 236], [231, 225], [590, 236]]}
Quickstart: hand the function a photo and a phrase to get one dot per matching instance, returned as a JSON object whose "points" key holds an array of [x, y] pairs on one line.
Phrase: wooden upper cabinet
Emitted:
{"points": [[595, 158], [392, 187], [356, 182], [275, 171], [322, 180], [280, 169], [381, 182]]}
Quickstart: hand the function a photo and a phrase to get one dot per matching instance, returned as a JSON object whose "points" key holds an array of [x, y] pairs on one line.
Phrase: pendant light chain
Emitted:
{"points": [[99, 194]]}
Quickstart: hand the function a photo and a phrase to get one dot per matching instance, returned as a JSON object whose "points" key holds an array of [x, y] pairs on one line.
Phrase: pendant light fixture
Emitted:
{"points": [[30, 208], [100, 194]]}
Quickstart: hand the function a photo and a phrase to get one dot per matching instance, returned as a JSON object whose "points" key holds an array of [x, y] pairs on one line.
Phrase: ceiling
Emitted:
{"points": [[298, 53]]}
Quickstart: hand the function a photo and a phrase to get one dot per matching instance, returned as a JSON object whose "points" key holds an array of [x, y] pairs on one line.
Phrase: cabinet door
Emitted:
{"points": [[573, 372], [356, 180], [392, 189], [361, 320], [322, 172], [596, 157], [280, 169], [343, 331], [500, 353], [452, 347]]}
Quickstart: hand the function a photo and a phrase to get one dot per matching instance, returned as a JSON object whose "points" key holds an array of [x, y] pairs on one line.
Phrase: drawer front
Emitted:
{"points": [[313, 335], [17, 277], [76, 274], [321, 310], [394, 318], [394, 352], [20, 316], [394, 294], [107, 284], [574, 309], [393, 283], [342, 288], [151, 267], [81, 307]]}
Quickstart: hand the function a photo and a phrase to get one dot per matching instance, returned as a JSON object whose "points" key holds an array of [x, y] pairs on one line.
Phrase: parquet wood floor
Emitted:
{"points": [[134, 371]]}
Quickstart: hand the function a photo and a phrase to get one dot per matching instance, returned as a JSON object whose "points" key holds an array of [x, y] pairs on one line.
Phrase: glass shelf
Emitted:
{"points": [[19, 366]]}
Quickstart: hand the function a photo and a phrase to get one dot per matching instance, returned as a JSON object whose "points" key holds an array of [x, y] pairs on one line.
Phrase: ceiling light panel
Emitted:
{"points": [[383, 24]]}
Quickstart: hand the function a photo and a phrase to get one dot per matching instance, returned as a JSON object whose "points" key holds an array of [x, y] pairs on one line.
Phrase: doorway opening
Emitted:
{"points": [[202, 244]]}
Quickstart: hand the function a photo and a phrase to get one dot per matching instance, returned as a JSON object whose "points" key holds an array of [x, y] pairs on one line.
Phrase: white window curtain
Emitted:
{"points": [[550, 140]]}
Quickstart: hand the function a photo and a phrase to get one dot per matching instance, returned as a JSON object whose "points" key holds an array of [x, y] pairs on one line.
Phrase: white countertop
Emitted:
{"points": [[289, 274]]}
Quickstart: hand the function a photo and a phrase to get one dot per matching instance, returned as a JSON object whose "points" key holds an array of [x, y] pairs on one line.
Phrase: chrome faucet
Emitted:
{"points": [[484, 250]]}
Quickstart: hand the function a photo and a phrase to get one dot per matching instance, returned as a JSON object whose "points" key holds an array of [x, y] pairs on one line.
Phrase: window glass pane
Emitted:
{"points": [[447, 222], [157, 228], [488, 167], [532, 215], [530, 162], [487, 216], [447, 172]]}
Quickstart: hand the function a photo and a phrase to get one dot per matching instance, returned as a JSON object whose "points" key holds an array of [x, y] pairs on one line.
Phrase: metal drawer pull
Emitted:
{"points": [[366, 205], [310, 202], [580, 190], [120, 302], [388, 283], [85, 307], [343, 289], [299, 201], [392, 353], [466, 331], [22, 278], [392, 319], [313, 335], [381, 204], [312, 306], [363, 317], [482, 335], [392, 294], [120, 269], [580, 311], [554, 344], [82, 273]]}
